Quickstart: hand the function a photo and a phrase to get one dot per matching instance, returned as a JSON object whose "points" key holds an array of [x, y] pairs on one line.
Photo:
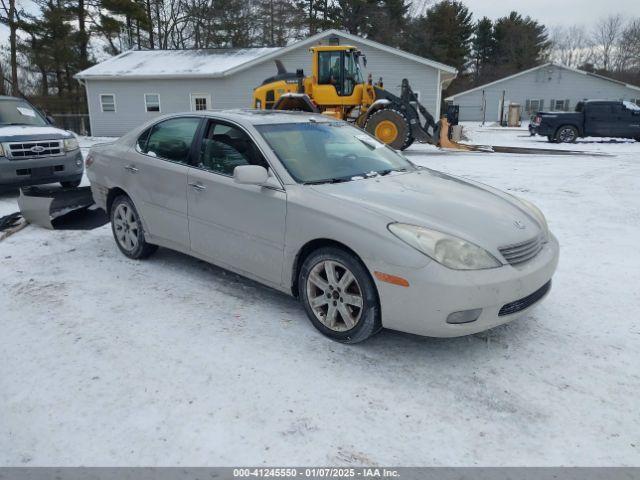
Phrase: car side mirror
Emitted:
{"points": [[250, 175]]}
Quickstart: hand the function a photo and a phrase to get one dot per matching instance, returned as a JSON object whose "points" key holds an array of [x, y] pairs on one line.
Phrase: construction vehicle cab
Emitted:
{"points": [[336, 87]]}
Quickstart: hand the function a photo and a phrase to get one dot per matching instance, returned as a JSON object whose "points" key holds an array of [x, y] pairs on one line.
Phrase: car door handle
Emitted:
{"points": [[131, 168], [197, 186]]}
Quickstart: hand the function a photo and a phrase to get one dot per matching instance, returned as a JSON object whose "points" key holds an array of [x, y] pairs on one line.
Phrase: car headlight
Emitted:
{"points": [[538, 215], [450, 251], [71, 144]]}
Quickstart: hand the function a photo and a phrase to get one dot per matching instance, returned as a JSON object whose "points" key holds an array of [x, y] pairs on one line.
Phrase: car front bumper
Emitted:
{"points": [[39, 171], [435, 292]]}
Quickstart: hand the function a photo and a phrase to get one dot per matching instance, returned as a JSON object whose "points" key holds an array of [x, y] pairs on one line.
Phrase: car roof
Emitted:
{"points": [[601, 101], [268, 117]]}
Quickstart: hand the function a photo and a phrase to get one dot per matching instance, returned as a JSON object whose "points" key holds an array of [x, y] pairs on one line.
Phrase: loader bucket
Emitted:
{"points": [[61, 209], [445, 142]]}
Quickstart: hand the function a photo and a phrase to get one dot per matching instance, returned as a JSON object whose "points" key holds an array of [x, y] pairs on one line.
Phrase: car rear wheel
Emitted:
{"points": [[128, 230], [567, 134], [339, 295], [71, 184]]}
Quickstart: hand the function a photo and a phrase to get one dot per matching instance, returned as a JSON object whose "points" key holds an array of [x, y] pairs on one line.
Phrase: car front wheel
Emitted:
{"points": [[128, 230], [339, 295]]}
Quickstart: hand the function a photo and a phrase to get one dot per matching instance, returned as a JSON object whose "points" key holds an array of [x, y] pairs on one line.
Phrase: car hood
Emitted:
{"points": [[24, 133], [474, 212]]}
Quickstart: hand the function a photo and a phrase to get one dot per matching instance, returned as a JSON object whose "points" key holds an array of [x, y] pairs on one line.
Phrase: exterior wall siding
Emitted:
{"points": [[235, 91], [547, 83]]}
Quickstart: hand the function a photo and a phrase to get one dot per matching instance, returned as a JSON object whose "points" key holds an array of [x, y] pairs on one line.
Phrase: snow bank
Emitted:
{"points": [[171, 361]]}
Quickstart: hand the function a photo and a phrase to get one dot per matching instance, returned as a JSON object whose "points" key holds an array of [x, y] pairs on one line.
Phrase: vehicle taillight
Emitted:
{"points": [[88, 161]]}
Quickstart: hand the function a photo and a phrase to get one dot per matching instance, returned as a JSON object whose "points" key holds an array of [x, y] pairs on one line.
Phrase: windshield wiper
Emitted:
{"points": [[389, 170], [329, 180]]}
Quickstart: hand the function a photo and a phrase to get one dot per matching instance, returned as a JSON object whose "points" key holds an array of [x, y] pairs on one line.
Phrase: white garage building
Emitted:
{"points": [[135, 86], [546, 87]]}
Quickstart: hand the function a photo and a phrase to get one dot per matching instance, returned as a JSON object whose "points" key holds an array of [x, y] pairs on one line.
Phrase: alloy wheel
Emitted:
{"points": [[567, 135], [334, 295], [126, 226]]}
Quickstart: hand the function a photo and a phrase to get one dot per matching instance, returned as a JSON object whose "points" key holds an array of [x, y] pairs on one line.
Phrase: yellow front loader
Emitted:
{"points": [[336, 88]]}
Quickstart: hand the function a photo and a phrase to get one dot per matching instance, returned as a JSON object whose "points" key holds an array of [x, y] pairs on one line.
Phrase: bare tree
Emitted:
{"points": [[571, 46], [606, 36], [628, 58], [10, 16]]}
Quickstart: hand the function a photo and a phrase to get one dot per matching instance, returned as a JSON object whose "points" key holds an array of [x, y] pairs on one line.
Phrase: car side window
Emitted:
{"points": [[600, 110], [225, 147], [171, 139], [142, 140]]}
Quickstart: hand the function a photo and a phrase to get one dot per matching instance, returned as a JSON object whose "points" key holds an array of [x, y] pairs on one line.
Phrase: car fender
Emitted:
{"points": [[360, 229]]}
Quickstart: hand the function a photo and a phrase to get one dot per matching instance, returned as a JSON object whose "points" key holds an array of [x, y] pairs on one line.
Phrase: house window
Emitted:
{"points": [[108, 102], [200, 101], [560, 105], [152, 102], [532, 106]]}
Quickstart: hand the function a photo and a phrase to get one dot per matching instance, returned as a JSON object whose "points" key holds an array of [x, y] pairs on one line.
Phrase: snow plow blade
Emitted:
{"points": [[58, 208]]}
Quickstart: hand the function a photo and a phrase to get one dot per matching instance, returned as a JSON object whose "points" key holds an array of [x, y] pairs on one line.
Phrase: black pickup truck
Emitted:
{"points": [[592, 118]]}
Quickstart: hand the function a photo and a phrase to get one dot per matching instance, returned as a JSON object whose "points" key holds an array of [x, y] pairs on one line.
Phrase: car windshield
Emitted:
{"points": [[329, 152], [19, 112]]}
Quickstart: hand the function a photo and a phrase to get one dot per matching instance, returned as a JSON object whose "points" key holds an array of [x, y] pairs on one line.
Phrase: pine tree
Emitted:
{"points": [[483, 46], [443, 34], [520, 43]]}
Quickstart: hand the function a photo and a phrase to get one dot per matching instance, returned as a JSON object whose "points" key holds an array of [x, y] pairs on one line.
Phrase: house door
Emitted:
{"points": [[200, 101]]}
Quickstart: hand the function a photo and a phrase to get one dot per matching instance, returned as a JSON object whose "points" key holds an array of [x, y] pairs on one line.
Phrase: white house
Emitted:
{"points": [[132, 87], [546, 87]]}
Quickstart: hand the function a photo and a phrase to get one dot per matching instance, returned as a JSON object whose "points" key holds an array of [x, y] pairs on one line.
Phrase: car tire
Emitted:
{"points": [[128, 230], [566, 134], [352, 301], [71, 183]]}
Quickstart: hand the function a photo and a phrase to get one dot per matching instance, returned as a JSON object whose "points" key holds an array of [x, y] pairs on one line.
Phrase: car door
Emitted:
{"points": [[158, 168], [240, 226], [599, 120], [627, 124]]}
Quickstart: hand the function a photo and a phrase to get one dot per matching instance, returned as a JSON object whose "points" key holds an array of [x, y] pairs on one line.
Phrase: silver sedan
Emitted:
{"points": [[322, 211]]}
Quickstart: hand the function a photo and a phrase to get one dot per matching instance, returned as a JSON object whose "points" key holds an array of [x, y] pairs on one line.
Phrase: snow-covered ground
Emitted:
{"points": [[171, 361]]}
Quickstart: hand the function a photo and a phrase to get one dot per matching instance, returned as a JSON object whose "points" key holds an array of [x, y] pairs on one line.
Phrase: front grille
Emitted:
{"points": [[526, 302], [44, 148], [522, 252]]}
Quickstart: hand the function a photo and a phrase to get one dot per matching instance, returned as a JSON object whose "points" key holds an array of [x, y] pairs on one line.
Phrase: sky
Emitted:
{"points": [[555, 12], [548, 12]]}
